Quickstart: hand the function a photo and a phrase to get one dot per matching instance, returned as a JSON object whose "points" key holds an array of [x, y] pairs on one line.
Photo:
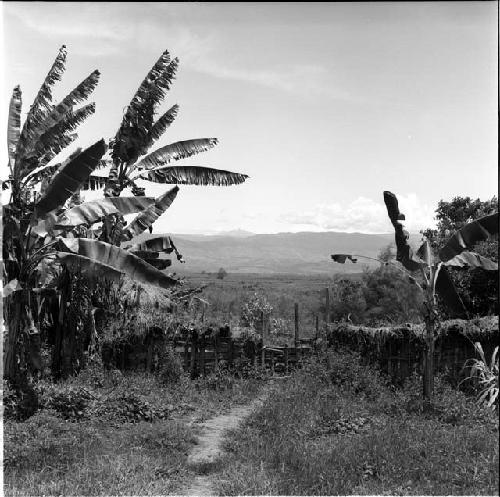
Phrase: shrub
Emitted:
{"points": [[67, 401], [170, 368], [487, 375], [346, 370], [129, 409], [19, 403]]}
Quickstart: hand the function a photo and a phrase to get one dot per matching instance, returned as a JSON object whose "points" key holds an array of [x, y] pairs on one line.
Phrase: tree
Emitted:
{"points": [[477, 288], [433, 274], [38, 230], [131, 161], [221, 274]]}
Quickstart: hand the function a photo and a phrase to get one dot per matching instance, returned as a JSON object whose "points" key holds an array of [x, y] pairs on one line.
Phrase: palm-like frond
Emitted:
{"points": [[119, 259], [41, 105], [161, 125], [193, 175], [52, 141], [470, 234], [176, 151], [69, 179], [131, 138], [63, 108], [146, 218], [90, 212], [14, 124], [85, 265], [156, 244]]}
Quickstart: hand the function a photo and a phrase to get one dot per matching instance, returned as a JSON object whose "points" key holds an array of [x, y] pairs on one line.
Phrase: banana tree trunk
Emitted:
{"points": [[428, 376], [430, 331], [13, 318], [57, 351]]}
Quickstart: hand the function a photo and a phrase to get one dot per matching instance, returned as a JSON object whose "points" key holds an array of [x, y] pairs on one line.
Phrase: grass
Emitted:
{"points": [[336, 428], [227, 296], [130, 436]]}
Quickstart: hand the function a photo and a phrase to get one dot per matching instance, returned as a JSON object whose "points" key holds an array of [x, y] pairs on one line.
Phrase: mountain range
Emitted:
{"points": [[300, 253]]}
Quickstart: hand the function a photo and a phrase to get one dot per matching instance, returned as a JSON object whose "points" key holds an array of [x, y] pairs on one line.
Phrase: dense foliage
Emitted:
{"points": [[477, 288]]}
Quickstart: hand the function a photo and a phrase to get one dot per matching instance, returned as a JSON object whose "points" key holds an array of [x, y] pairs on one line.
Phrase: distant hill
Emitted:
{"points": [[300, 253]]}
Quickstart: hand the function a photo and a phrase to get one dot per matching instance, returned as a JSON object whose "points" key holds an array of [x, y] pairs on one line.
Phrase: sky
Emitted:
{"points": [[323, 105]]}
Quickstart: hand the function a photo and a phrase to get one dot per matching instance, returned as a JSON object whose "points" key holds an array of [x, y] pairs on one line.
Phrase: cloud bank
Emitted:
{"points": [[363, 215]]}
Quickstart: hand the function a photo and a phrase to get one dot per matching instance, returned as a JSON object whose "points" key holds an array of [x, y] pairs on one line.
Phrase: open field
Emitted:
{"points": [[227, 296]]}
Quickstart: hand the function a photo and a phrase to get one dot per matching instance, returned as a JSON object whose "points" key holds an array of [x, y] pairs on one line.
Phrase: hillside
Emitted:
{"points": [[301, 253]]}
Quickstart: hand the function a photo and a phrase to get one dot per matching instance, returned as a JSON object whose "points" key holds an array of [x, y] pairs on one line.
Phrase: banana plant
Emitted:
{"points": [[39, 227], [130, 158], [434, 277]]}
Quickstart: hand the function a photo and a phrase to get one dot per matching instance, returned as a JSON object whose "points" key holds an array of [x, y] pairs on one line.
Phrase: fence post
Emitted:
{"points": [[202, 354], [327, 305], [297, 342], [186, 352], [194, 345]]}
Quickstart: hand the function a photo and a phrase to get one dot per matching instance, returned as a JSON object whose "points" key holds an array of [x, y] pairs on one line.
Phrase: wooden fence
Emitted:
{"points": [[203, 351], [398, 350]]}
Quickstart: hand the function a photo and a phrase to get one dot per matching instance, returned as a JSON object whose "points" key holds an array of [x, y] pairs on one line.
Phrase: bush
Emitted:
{"points": [[129, 409], [19, 403], [346, 370], [67, 401], [170, 368]]}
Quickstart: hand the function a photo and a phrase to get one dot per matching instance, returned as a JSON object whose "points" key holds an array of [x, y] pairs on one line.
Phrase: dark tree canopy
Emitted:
{"points": [[477, 288]]}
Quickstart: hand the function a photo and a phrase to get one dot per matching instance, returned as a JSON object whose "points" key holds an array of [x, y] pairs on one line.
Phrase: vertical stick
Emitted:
{"points": [[317, 326], [186, 352], [202, 354], [286, 359], [263, 327], [297, 342], [194, 344], [327, 305]]}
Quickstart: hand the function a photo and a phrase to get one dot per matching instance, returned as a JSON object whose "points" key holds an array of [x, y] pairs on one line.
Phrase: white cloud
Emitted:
{"points": [[363, 215]]}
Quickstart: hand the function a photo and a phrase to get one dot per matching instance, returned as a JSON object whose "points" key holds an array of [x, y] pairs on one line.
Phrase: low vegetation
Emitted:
{"points": [[338, 428], [108, 433]]}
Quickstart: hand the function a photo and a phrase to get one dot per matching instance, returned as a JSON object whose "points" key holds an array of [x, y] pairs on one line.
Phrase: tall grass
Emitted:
{"points": [[107, 433], [336, 428]]}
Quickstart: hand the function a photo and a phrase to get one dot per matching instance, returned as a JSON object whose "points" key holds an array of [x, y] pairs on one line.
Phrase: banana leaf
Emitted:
{"points": [[146, 254], [90, 212], [176, 151], [404, 253], [159, 244], [159, 264], [14, 124], [85, 265], [69, 179], [161, 125], [119, 259], [52, 141], [467, 236], [193, 175], [473, 260], [40, 107], [77, 95], [146, 218], [341, 258], [446, 290]]}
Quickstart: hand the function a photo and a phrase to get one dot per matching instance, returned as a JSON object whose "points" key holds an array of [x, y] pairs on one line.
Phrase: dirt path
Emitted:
{"points": [[204, 455]]}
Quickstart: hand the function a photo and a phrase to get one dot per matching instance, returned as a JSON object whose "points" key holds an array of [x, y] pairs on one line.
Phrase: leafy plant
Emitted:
{"points": [[434, 277], [487, 375]]}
